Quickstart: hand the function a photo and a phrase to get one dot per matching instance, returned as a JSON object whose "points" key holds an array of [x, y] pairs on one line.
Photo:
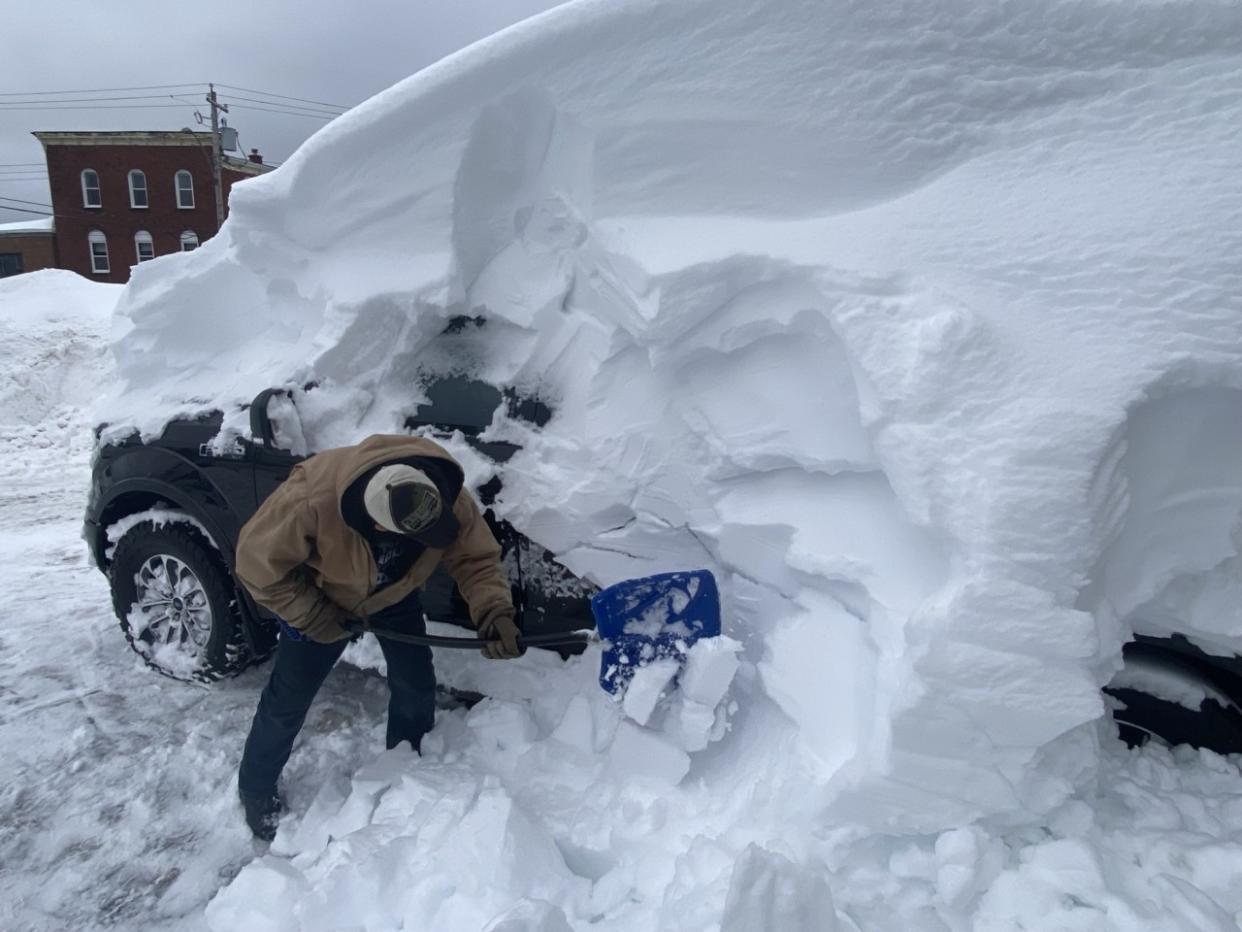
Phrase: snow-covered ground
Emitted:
{"points": [[115, 790], [919, 324]]}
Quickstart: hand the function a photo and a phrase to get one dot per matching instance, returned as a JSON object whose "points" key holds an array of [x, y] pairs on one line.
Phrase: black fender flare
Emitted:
{"points": [[177, 497]]}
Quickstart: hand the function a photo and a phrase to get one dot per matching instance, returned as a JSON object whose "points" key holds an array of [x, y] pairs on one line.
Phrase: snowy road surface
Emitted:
{"points": [[116, 785]]}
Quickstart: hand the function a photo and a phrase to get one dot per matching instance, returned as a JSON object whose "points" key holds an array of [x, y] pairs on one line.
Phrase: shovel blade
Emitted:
{"points": [[653, 618]]}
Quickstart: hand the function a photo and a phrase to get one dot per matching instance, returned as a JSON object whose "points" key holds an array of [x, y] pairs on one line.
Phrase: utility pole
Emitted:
{"points": [[217, 153]]}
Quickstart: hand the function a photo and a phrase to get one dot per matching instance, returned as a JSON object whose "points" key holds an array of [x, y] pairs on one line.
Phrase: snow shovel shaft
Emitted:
{"points": [[563, 639]]}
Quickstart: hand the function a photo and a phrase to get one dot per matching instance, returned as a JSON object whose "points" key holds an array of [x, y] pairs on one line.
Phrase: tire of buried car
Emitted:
{"points": [[176, 604]]}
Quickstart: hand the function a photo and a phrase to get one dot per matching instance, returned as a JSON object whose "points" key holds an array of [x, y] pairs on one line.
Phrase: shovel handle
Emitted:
{"points": [[563, 639]]}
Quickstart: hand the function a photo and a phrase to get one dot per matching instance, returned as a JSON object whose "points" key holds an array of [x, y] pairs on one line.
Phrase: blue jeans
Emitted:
{"points": [[301, 667]]}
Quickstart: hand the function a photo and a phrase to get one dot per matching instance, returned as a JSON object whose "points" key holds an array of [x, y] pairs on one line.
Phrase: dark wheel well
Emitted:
{"points": [[1148, 710], [131, 503]]}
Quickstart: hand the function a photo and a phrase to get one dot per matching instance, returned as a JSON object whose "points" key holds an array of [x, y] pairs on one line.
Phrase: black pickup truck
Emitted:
{"points": [[163, 518]]}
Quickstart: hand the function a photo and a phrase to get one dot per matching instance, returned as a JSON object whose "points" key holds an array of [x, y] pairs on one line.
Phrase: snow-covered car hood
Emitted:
{"points": [[919, 324]]}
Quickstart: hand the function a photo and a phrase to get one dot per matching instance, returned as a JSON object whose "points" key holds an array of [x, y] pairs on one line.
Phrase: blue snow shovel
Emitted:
{"points": [[637, 620], [649, 619]]}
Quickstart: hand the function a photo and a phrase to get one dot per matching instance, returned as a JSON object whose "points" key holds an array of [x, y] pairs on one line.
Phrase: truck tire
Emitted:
{"points": [[176, 603], [1145, 696]]}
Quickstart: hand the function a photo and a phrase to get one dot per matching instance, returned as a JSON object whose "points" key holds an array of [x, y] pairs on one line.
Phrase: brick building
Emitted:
{"points": [[122, 198], [27, 246]]}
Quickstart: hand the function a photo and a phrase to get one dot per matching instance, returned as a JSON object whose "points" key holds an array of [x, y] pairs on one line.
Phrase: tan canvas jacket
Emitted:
{"points": [[299, 557]]}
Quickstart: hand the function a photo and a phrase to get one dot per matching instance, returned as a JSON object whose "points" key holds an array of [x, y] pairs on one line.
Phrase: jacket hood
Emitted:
{"points": [[387, 448]]}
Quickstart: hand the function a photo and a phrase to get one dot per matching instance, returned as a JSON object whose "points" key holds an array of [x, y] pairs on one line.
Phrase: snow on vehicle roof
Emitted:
{"points": [[878, 311]]}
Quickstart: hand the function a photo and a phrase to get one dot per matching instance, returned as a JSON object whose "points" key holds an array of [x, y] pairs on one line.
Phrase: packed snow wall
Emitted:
{"points": [[888, 314]]}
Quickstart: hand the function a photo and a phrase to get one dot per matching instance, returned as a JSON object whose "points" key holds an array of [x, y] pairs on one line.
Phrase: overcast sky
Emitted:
{"points": [[329, 52]]}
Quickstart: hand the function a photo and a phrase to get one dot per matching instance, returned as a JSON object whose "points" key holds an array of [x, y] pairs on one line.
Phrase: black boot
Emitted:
{"points": [[262, 813]]}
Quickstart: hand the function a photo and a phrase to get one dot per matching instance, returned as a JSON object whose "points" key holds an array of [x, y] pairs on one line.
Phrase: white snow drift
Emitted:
{"points": [[920, 325], [53, 352]]}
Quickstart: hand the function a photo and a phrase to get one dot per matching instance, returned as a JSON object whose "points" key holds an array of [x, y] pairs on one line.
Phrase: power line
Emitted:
{"points": [[67, 212], [285, 106], [16, 200], [23, 210], [318, 104], [109, 107], [83, 100], [99, 90], [250, 90], [313, 116]]}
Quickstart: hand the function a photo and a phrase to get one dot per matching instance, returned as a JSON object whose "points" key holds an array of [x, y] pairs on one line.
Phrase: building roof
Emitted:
{"points": [[28, 227], [161, 138], [178, 137]]}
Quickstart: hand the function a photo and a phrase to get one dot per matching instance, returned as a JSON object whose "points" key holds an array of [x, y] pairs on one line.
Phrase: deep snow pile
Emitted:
{"points": [[920, 325], [53, 348]]}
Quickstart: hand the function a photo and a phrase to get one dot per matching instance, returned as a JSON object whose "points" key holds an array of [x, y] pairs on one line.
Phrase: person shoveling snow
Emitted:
{"points": [[349, 539]]}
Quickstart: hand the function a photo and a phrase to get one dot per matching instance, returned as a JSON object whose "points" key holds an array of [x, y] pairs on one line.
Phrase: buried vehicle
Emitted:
{"points": [[164, 515]]}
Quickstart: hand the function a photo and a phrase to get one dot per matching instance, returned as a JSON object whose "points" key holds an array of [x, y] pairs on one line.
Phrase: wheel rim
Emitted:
{"points": [[174, 606]]}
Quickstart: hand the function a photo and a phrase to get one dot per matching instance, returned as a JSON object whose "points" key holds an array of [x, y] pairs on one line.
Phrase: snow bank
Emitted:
{"points": [[53, 344], [920, 325]]}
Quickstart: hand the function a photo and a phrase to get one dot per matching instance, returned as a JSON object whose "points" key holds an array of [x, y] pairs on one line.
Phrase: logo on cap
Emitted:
{"points": [[414, 506]]}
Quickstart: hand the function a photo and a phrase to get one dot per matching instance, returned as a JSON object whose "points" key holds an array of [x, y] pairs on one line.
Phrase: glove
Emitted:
{"points": [[502, 634]]}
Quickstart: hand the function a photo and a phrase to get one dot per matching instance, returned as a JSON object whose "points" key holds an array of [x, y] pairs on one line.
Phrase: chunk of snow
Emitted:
{"points": [[531, 916], [646, 688], [821, 669], [769, 891], [577, 725], [711, 664], [637, 752], [259, 898]]}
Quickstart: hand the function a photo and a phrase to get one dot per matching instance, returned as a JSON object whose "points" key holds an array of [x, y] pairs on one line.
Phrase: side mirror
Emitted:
{"points": [[260, 423], [284, 430]]}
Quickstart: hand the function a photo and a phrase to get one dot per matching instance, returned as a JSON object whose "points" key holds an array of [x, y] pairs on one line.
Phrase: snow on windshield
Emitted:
{"points": [[878, 314]]}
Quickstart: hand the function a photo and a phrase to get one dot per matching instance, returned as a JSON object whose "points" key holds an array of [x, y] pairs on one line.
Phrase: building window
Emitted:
{"points": [[185, 190], [145, 246], [99, 253], [189, 241], [137, 189], [10, 264], [90, 189]]}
